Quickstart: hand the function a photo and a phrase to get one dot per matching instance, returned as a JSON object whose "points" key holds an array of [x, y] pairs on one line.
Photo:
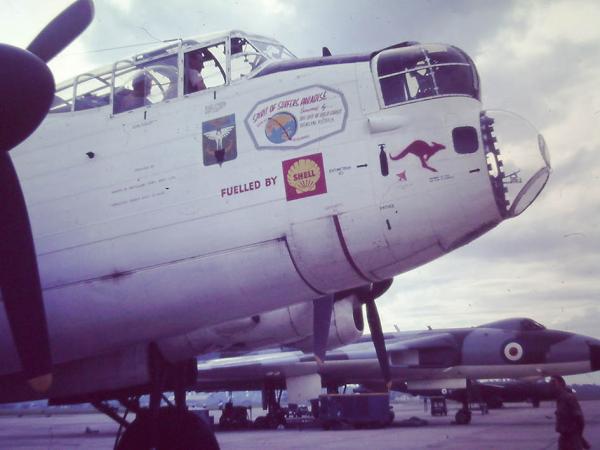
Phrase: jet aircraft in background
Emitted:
{"points": [[420, 361], [495, 393], [220, 177]]}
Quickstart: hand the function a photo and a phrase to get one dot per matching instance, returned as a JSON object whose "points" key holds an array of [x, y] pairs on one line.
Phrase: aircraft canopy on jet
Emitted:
{"points": [[518, 324]]}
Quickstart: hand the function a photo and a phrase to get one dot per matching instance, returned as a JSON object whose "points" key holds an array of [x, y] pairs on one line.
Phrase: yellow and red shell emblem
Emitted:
{"points": [[303, 175]]}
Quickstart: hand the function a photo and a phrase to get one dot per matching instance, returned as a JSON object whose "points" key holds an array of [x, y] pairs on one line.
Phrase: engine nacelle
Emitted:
{"points": [[292, 326]]}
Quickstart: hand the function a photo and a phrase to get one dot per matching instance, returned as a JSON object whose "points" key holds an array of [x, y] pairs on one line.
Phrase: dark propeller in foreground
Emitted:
{"points": [[368, 295], [322, 311], [322, 320], [26, 93]]}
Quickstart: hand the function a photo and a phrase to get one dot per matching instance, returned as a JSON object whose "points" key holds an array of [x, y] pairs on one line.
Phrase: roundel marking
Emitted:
{"points": [[513, 351]]}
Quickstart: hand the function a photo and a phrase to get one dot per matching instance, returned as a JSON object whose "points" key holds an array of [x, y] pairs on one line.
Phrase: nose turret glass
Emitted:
{"points": [[518, 160]]}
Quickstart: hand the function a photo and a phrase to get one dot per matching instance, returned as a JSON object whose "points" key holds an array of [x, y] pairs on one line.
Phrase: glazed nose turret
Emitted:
{"points": [[518, 160]]}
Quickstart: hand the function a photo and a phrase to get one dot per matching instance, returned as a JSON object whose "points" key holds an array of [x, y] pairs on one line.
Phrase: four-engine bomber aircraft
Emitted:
{"points": [[420, 361], [219, 177]]}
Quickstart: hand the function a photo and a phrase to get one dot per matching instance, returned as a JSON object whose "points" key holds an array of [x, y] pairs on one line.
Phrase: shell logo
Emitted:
{"points": [[303, 175], [513, 351]]}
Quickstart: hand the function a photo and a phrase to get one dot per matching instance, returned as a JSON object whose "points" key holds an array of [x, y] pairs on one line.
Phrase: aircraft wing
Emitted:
{"points": [[253, 370], [354, 363]]}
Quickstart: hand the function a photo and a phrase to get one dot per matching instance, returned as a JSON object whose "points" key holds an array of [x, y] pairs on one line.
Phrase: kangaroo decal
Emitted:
{"points": [[421, 150]]}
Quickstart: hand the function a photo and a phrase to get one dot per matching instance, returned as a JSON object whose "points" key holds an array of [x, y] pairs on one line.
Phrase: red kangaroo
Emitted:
{"points": [[422, 150]]}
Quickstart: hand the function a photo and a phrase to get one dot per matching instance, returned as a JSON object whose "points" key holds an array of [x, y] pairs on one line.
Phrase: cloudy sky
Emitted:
{"points": [[537, 58]]}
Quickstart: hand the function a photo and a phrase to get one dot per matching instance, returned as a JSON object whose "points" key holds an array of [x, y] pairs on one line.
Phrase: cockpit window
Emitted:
{"points": [[132, 87], [154, 76], [400, 60], [272, 51], [531, 325], [137, 85], [91, 91], [63, 100], [204, 68], [519, 324], [423, 71], [245, 58]]}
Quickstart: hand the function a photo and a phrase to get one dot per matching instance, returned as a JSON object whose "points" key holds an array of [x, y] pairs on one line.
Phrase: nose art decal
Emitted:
{"points": [[421, 150], [304, 176]]}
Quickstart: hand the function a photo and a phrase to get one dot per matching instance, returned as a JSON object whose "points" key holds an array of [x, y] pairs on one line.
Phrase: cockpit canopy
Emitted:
{"points": [[180, 68], [412, 71], [516, 324]]}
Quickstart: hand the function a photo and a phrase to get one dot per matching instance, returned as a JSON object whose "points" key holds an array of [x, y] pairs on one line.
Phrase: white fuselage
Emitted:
{"points": [[138, 241]]}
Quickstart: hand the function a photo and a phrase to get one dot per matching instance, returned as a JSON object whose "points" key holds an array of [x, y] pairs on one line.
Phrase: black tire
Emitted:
{"points": [[273, 422], [184, 431], [463, 417], [136, 435], [494, 403], [390, 419], [260, 423]]}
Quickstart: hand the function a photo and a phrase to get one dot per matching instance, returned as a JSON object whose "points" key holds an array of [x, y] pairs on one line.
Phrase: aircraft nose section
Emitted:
{"points": [[518, 160], [595, 355]]}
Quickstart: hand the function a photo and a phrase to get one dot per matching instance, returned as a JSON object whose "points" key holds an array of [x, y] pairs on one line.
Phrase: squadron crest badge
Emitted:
{"points": [[304, 177], [219, 142]]}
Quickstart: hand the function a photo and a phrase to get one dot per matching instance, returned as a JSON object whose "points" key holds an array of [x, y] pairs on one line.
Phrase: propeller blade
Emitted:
{"points": [[378, 340], [26, 93], [367, 295], [62, 30], [20, 281], [322, 309]]}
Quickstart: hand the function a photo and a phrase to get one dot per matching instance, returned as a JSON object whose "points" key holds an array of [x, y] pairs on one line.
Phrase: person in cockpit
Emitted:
{"points": [[194, 63], [138, 96], [425, 83]]}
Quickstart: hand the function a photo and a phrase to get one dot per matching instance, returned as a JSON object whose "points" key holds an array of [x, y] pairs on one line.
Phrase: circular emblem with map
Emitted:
{"points": [[281, 127]]}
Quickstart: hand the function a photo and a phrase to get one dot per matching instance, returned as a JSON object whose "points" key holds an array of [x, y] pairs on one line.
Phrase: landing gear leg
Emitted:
{"points": [[170, 427], [275, 413], [463, 415]]}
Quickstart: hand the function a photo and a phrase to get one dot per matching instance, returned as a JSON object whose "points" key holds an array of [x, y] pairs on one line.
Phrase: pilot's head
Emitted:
{"points": [[142, 84], [237, 45], [195, 60]]}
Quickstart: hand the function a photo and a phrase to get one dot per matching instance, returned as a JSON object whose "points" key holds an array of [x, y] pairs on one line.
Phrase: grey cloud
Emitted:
{"points": [[585, 320], [346, 27], [533, 86]]}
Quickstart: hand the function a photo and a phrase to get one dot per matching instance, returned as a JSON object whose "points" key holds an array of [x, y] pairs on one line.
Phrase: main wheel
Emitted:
{"points": [[177, 431], [494, 402], [390, 419], [260, 422], [463, 417]]}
